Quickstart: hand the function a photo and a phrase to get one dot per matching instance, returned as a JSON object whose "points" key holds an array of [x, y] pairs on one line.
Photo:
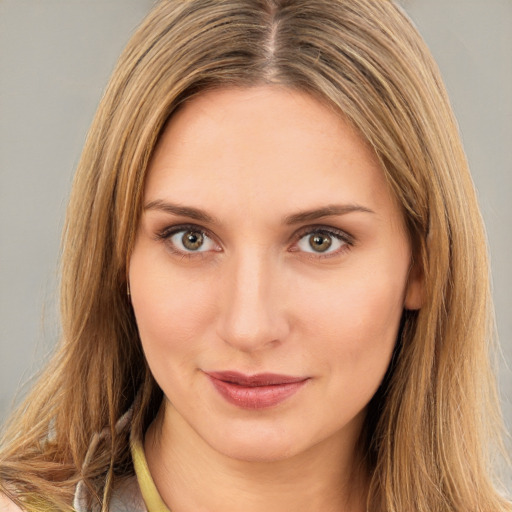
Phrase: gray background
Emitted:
{"points": [[55, 59]]}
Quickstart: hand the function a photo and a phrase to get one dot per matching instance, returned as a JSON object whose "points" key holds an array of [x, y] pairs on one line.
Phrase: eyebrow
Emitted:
{"points": [[330, 210], [296, 218], [184, 211]]}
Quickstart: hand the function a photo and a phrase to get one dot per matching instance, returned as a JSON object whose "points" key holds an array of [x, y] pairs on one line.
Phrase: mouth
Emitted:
{"points": [[258, 391]]}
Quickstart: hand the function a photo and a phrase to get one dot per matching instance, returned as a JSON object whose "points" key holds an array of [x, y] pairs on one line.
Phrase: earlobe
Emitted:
{"points": [[415, 292]]}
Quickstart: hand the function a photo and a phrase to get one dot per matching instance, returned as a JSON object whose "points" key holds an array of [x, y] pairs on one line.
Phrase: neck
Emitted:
{"points": [[191, 476]]}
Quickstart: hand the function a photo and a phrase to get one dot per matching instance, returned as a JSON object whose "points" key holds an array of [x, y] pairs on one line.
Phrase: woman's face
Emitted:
{"points": [[269, 274]]}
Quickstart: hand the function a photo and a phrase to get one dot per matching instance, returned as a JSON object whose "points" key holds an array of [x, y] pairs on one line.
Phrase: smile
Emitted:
{"points": [[255, 391]]}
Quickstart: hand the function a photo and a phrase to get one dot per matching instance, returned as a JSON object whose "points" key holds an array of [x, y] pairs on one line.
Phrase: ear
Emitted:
{"points": [[415, 292]]}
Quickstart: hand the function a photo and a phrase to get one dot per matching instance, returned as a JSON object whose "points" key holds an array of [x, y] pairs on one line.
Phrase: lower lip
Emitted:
{"points": [[257, 397]]}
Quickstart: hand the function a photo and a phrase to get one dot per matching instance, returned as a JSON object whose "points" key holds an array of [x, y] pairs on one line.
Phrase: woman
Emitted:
{"points": [[275, 288]]}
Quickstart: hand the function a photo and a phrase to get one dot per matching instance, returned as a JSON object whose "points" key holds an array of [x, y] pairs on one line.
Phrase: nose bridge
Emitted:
{"points": [[250, 317]]}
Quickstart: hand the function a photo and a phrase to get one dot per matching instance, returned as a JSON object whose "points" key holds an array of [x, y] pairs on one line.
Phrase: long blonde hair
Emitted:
{"points": [[431, 425]]}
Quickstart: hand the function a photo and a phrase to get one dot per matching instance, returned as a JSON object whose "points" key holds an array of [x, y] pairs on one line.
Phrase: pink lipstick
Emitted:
{"points": [[255, 391]]}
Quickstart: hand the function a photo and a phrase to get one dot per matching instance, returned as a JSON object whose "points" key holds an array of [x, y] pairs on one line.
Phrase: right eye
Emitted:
{"points": [[190, 240]]}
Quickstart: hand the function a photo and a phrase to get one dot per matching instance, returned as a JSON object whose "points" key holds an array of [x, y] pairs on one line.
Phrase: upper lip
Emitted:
{"points": [[259, 379]]}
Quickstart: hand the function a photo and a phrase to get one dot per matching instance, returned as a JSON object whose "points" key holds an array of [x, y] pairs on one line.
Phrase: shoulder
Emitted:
{"points": [[6, 505]]}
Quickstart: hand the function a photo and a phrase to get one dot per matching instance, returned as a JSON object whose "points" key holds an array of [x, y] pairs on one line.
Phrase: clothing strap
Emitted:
{"points": [[137, 494], [150, 494]]}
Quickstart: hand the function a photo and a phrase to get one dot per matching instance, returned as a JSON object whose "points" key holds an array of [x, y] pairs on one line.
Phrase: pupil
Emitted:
{"points": [[320, 243], [192, 240]]}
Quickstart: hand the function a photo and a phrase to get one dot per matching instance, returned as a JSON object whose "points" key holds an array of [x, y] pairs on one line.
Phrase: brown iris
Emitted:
{"points": [[319, 242], [192, 240]]}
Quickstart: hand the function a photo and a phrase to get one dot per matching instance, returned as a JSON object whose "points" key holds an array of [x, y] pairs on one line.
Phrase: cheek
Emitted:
{"points": [[171, 310], [353, 325]]}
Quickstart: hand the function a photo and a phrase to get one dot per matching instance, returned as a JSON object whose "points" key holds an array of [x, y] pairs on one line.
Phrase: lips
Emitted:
{"points": [[255, 391]]}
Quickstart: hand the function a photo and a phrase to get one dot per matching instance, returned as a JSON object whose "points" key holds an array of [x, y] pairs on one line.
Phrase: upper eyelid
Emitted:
{"points": [[171, 230], [341, 233]]}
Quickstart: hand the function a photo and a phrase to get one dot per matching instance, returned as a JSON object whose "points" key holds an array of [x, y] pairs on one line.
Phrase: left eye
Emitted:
{"points": [[321, 242], [191, 240]]}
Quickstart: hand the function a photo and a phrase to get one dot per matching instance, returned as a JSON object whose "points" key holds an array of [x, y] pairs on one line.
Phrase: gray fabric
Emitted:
{"points": [[126, 498]]}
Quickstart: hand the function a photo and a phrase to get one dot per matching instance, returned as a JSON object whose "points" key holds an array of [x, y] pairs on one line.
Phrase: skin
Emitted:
{"points": [[258, 297], [7, 505]]}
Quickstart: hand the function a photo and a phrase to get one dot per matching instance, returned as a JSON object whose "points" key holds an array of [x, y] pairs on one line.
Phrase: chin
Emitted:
{"points": [[256, 450], [260, 443]]}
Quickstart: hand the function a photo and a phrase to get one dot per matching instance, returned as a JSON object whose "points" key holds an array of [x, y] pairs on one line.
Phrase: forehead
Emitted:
{"points": [[266, 148]]}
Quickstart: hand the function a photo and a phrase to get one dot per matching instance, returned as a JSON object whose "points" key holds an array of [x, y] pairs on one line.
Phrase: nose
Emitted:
{"points": [[252, 310]]}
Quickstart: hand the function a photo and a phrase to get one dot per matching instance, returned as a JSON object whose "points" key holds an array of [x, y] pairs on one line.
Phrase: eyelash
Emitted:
{"points": [[334, 233], [167, 233]]}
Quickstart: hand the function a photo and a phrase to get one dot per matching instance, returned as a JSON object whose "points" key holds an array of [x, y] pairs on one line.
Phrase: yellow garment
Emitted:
{"points": [[150, 494]]}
